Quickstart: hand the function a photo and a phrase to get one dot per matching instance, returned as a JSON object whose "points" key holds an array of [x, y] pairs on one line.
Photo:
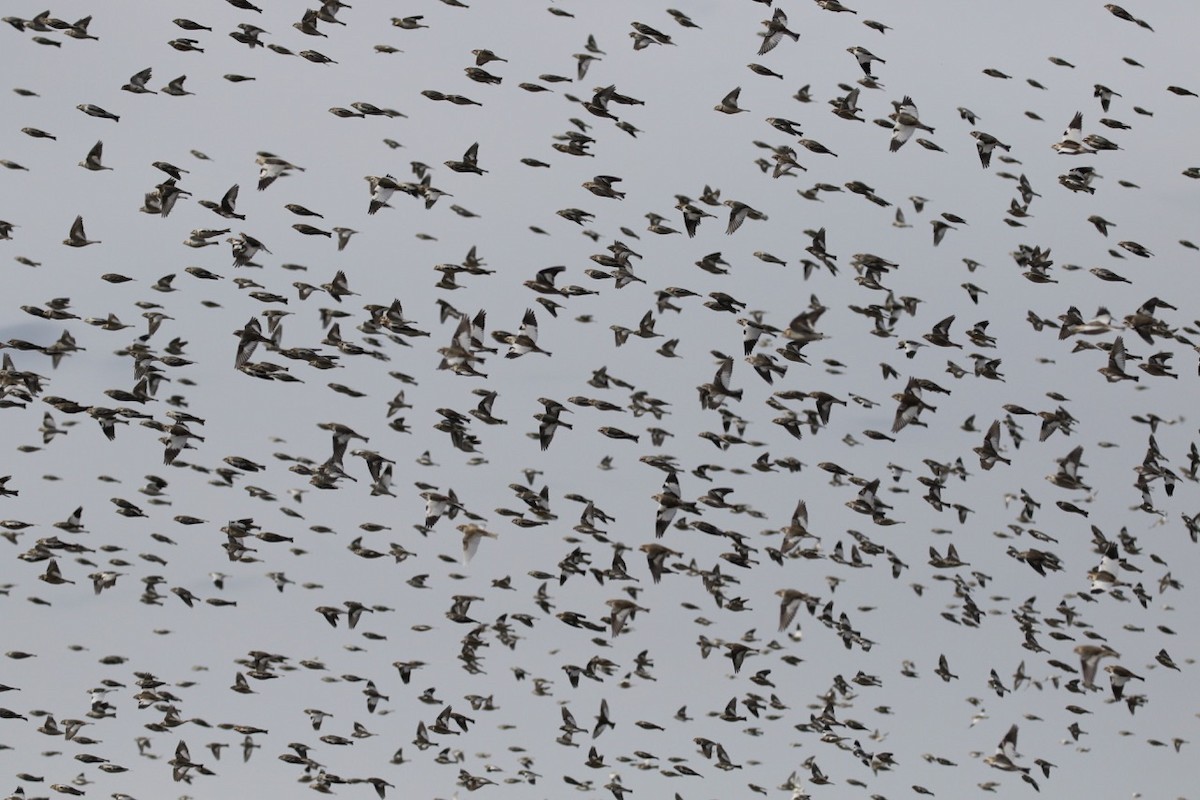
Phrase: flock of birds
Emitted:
{"points": [[583, 572]]}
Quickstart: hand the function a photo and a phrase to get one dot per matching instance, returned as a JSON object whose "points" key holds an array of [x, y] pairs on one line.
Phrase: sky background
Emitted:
{"points": [[935, 52]]}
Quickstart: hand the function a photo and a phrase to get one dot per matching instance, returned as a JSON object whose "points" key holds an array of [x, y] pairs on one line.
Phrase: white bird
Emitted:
{"points": [[1002, 759], [271, 167], [906, 121], [1071, 143], [1104, 577], [525, 341], [986, 143], [245, 247], [472, 535]]}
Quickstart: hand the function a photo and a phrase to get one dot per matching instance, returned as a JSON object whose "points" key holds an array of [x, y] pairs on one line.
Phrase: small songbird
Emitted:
{"points": [[623, 612], [1071, 143], [175, 87], [97, 111], [1115, 370], [525, 341], [409, 23], [865, 57], [1119, 676], [381, 191], [483, 57], [186, 45], [986, 143], [602, 186], [77, 238], [92, 161], [776, 29], [52, 575], [1135, 248], [1089, 661], [939, 230], [469, 161], [728, 104], [137, 83], [789, 604], [1101, 223], [1105, 94], [271, 168], [472, 535], [691, 218], [225, 208], [245, 247], [905, 122], [1121, 13], [738, 213], [1002, 759]]}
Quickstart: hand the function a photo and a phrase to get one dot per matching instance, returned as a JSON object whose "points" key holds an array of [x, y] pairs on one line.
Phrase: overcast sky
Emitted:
{"points": [[934, 53]]}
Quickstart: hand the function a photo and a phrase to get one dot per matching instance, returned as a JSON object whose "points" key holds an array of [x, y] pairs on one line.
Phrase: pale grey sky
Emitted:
{"points": [[934, 53]]}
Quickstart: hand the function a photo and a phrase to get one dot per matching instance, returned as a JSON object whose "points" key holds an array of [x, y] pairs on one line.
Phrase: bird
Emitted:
{"points": [[271, 168], [790, 602], [468, 162], [225, 207], [1105, 95], [472, 535], [1114, 371], [52, 575], [776, 29], [245, 247], [865, 57], [137, 83], [526, 341], [1071, 143], [729, 103], [1118, 677], [77, 237], [622, 613], [92, 161], [738, 213], [906, 121], [409, 23], [1090, 657], [1101, 224], [175, 87], [373, 424], [985, 143], [381, 191], [1121, 13], [989, 451], [96, 111], [1006, 752]]}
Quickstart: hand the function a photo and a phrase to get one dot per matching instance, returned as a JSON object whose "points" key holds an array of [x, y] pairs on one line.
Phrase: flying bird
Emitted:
{"points": [[1071, 143], [729, 103], [77, 237], [776, 29], [905, 121]]}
